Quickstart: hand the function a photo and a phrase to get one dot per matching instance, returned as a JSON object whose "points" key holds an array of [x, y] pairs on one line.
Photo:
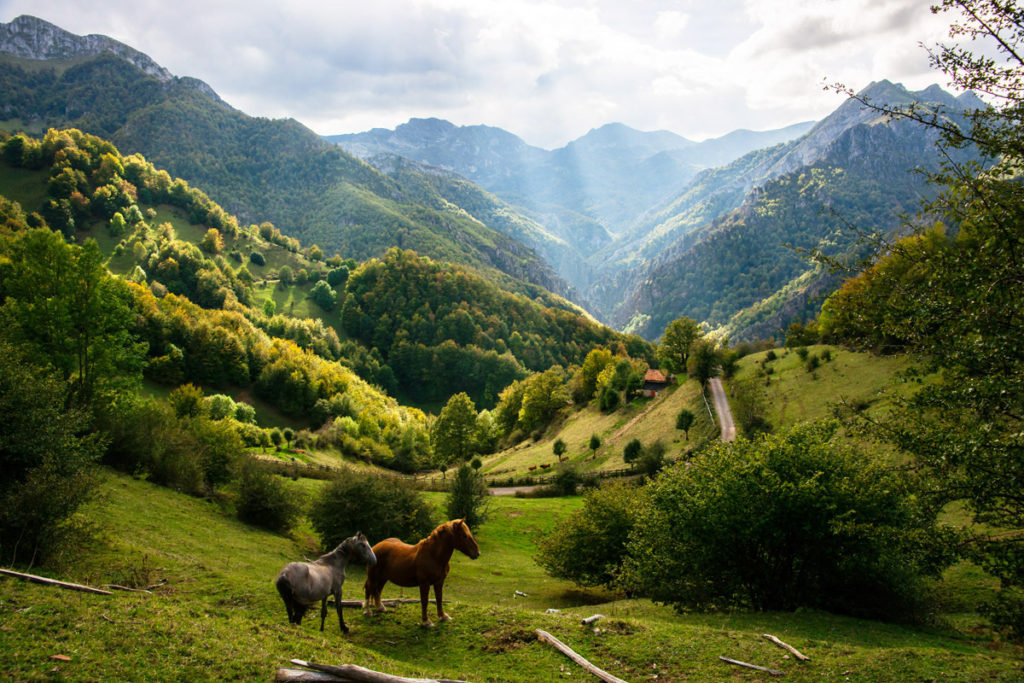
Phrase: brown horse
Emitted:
{"points": [[424, 564]]}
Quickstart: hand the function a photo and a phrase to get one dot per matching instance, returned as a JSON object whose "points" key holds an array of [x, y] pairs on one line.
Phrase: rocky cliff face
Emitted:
{"points": [[32, 38], [29, 37]]}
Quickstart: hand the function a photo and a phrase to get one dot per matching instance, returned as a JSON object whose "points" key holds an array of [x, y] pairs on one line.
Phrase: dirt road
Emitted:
{"points": [[722, 409]]}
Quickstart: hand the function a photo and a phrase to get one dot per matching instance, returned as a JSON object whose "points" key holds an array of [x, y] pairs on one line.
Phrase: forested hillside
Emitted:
{"points": [[258, 169], [424, 328], [442, 329], [748, 270]]}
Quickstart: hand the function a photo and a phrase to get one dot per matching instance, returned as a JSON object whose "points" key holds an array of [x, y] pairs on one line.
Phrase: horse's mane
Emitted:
{"points": [[440, 527]]}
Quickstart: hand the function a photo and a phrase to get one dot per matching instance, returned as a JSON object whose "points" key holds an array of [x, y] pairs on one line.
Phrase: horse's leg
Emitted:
{"points": [[438, 590], [341, 619], [371, 592], [424, 599], [323, 612]]}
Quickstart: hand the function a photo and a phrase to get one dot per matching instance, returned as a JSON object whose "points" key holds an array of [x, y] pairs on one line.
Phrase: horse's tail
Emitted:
{"points": [[296, 610]]}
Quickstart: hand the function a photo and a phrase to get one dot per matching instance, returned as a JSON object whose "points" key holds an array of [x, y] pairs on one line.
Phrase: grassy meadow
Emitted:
{"points": [[796, 394], [218, 616], [645, 419]]}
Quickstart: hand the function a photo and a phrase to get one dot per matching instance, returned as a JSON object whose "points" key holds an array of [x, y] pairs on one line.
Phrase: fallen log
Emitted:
{"points": [[546, 637], [773, 672], [591, 619], [357, 674], [391, 602], [304, 676], [114, 586], [53, 582], [786, 646]]}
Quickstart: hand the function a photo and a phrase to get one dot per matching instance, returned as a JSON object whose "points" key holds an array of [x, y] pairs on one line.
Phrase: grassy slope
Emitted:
{"points": [[219, 617], [796, 395], [577, 427]]}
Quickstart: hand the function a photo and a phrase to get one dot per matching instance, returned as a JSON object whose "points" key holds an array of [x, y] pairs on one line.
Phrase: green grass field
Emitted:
{"points": [[218, 616], [798, 395]]}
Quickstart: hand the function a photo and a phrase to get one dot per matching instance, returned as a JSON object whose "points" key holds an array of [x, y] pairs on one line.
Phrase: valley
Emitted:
{"points": [[228, 342]]}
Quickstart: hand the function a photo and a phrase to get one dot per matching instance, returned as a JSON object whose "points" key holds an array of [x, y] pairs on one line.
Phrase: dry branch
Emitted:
{"points": [[773, 672], [591, 619], [53, 582], [546, 637], [357, 674], [786, 646]]}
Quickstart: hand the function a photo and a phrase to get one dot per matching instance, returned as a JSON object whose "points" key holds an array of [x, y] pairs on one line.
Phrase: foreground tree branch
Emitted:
{"points": [[53, 582], [546, 637]]}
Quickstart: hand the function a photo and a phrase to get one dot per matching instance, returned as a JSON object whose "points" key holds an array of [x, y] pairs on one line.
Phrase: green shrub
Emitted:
{"points": [[567, 480], [632, 451], [813, 363], [46, 463], [588, 547], [791, 520], [467, 497], [651, 459], [379, 506], [264, 500]]}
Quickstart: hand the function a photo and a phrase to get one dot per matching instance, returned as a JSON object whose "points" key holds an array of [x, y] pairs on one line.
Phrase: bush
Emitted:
{"points": [[467, 497], [46, 464], [792, 520], [147, 437], [651, 459], [632, 451], [566, 480], [379, 506], [589, 546], [264, 500]]}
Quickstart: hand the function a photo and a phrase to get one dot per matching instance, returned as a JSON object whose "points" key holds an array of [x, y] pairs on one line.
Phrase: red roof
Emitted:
{"points": [[655, 376]]}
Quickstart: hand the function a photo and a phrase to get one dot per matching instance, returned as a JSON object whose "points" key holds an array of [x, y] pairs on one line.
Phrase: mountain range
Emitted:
{"points": [[640, 227], [659, 209]]}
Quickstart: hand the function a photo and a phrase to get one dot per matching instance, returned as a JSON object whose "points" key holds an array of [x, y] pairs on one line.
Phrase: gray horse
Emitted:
{"points": [[302, 584]]}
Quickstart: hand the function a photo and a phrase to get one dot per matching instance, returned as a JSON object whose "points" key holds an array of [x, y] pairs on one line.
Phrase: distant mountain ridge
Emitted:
{"points": [[586, 193], [604, 160]]}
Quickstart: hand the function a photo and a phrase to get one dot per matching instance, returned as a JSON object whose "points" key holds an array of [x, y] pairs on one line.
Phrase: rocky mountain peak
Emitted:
{"points": [[29, 37]]}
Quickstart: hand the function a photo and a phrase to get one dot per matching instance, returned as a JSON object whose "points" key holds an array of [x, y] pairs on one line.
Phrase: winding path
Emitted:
{"points": [[722, 409]]}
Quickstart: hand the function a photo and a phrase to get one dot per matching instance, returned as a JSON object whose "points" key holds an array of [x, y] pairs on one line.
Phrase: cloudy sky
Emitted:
{"points": [[546, 70]]}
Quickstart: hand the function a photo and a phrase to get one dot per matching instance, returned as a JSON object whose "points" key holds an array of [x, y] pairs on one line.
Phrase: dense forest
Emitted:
{"points": [[441, 327]]}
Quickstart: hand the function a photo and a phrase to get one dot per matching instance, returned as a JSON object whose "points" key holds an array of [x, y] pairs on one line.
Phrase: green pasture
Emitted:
{"points": [[657, 421], [797, 395], [218, 617]]}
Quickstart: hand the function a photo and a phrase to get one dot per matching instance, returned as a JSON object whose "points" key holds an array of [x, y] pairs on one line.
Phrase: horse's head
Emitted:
{"points": [[463, 538], [358, 548]]}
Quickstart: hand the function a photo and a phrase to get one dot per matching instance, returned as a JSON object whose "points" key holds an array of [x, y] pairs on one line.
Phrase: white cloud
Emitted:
{"points": [[547, 71]]}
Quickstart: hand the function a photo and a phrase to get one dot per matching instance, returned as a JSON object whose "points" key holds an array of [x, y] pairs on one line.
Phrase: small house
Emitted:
{"points": [[654, 381]]}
